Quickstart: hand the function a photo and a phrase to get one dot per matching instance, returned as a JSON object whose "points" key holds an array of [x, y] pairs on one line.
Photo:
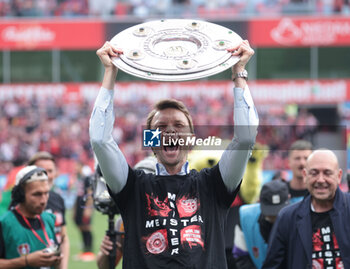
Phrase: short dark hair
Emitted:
{"points": [[170, 103], [41, 155], [301, 145]]}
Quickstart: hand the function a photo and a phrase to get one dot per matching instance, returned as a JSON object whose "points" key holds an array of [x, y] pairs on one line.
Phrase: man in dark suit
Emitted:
{"points": [[314, 233]]}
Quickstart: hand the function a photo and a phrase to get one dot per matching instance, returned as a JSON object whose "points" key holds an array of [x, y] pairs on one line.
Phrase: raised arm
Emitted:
{"points": [[234, 159], [110, 158]]}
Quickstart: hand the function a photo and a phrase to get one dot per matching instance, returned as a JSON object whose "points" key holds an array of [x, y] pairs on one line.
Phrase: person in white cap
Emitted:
{"points": [[55, 204], [27, 236]]}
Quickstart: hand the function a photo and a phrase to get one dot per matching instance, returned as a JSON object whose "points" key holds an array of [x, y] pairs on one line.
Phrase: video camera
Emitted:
{"points": [[103, 202]]}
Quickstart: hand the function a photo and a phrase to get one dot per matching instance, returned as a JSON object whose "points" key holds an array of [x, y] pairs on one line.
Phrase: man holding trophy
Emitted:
{"points": [[175, 217]]}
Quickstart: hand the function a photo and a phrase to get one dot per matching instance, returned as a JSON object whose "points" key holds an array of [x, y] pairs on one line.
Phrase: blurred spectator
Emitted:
{"points": [[299, 151], [256, 222], [178, 8], [101, 8], [83, 209], [30, 125], [5, 8], [25, 8], [74, 8], [46, 8]]}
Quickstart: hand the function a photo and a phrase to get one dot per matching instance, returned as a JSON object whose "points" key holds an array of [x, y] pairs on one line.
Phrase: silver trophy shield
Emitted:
{"points": [[175, 49]]}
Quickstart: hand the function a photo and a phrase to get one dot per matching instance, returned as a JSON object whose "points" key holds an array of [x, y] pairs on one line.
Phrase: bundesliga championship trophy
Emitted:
{"points": [[175, 49]]}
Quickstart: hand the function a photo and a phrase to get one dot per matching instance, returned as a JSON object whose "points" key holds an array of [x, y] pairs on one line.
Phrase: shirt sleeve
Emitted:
{"points": [[110, 158], [234, 159]]}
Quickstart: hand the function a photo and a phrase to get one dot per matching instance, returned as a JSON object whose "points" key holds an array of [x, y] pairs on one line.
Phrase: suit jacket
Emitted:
{"points": [[290, 242]]}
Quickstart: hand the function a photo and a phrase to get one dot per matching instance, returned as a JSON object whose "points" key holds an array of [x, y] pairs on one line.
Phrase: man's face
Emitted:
{"points": [[173, 123], [322, 176], [50, 168], [36, 196], [297, 162]]}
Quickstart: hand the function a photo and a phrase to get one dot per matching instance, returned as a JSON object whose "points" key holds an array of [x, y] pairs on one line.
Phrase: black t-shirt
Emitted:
{"points": [[55, 205], [35, 223], [174, 221], [325, 248], [297, 193], [265, 228]]}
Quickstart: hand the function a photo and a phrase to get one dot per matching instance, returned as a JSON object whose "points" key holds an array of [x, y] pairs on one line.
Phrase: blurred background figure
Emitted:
{"points": [[248, 194], [249, 191], [148, 165], [83, 210], [5, 194], [255, 224], [299, 151]]}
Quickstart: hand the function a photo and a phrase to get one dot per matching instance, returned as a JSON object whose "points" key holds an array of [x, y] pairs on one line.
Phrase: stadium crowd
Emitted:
{"points": [[28, 126], [186, 8]]}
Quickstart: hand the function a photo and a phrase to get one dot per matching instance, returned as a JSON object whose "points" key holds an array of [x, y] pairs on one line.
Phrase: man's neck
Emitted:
{"points": [[26, 213], [181, 169], [297, 184], [322, 206], [173, 170]]}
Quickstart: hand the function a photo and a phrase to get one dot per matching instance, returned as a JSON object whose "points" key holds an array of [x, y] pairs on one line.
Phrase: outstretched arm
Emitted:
{"points": [[234, 159], [110, 158]]}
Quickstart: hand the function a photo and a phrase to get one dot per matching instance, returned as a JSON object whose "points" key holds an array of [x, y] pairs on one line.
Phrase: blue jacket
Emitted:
{"points": [[249, 216], [290, 242]]}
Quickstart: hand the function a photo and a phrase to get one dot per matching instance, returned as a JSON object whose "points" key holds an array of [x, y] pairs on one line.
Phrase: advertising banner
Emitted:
{"points": [[300, 32], [48, 35], [34, 34]]}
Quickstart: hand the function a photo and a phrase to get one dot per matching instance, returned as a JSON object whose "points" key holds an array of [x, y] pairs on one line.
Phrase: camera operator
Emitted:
{"points": [[148, 165], [107, 246], [27, 235]]}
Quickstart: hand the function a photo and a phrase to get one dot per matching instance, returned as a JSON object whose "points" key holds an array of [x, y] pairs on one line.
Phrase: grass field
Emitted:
{"points": [[99, 227]]}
